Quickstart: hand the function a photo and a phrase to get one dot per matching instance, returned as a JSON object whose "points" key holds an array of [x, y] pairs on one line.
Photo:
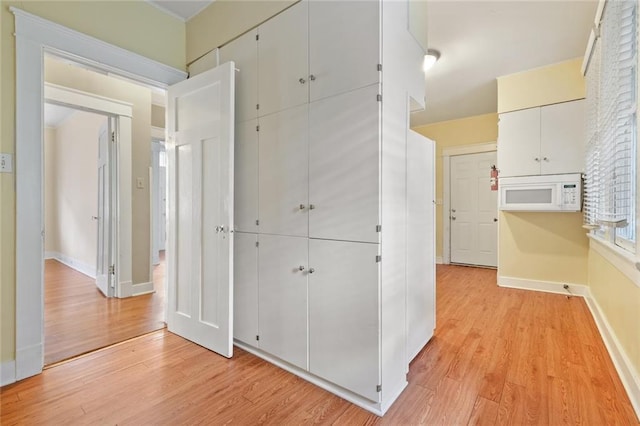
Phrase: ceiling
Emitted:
{"points": [[482, 40], [479, 41], [55, 115]]}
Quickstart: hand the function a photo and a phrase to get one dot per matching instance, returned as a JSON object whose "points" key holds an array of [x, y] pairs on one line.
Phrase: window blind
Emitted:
{"points": [[610, 189]]}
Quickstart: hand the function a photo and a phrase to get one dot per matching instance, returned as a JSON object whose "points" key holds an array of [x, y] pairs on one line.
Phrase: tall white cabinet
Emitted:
{"points": [[322, 272]]}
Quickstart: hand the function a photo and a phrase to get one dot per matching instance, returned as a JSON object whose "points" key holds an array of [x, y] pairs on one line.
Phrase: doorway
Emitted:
{"points": [[473, 212]]}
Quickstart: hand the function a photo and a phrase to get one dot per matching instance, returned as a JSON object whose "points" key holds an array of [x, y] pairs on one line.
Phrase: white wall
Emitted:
{"points": [[71, 183]]}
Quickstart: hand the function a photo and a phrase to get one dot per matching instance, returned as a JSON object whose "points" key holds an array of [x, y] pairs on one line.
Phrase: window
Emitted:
{"points": [[610, 180]]}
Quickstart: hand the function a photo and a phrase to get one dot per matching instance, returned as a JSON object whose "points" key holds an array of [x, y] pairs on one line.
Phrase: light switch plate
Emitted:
{"points": [[6, 163], [139, 183]]}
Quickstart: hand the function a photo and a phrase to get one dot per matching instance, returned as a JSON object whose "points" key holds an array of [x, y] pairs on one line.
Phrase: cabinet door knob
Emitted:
{"points": [[302, 81], [453, 210], [95, 217], [312, 77], [537, 159], [495, 219], [312, 206], [301, 268], [301, 206], [311, 270], [453, 218], [546, 159]]}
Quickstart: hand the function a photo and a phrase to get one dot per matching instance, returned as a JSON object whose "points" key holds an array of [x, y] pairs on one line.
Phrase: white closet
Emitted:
{"points": [[322, 273]]}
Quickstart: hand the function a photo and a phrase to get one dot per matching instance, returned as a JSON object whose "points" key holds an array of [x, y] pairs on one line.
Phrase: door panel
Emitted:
{"points": [[284, 172], [283, 60], [345, 33], [243, 51], [103, 215], [344, 158], [343, 315], [283, 298], [200, 262], [473, 210], [519, 139], [562, 137], [246, 176], [245, 288]]}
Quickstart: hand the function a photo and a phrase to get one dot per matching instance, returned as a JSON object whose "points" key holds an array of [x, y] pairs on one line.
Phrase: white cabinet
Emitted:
{"points": [[342, 55], [282, 298], [542, 140], [246, 176], [344, 166], [283, 60], [343, 315], [283, 166], [244, 52], [245, 287]]}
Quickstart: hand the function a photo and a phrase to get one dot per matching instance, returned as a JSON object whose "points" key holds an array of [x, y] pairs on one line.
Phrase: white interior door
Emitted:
{"points": [[162, 195], [200, 256], [104, 218], [474, 210]]}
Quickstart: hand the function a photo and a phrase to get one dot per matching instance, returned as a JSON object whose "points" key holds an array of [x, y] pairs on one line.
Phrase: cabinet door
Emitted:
{"points": [[562, 138], [246, 176], [519, 143], [344, 159], [344, 47], [284, 171], [283, 298], [283, 60], [245, 288], [244, 52], [343, 315]]}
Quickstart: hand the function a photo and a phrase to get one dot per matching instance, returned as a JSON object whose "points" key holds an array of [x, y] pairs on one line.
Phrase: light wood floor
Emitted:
{"points": [[499, 356], [79, 319]]}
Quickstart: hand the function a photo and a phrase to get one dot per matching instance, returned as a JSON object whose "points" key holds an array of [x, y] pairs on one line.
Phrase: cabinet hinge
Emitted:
{"points": [[379, 67], [257, 128], [257, 243], [113, 136], [378, 228], [379, 98], [257, 222], [378, 258], [257, 106], [112, 269], [257, 36], [257, 337], [378, 388]]}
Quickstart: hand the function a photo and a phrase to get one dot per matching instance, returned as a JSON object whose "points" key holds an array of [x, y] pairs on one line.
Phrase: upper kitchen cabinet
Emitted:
{"points": [[542, 141], [244, 52], [283, 60], [344, 46]]}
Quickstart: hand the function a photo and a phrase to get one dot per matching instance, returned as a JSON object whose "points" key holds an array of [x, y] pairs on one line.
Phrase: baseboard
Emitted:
{"points": [[7, 372], [627, 373], [29, 361], [72, 263], [373, 407], [629, 377], [439, 260], [125, 289], [142, 288], [545, 286]]}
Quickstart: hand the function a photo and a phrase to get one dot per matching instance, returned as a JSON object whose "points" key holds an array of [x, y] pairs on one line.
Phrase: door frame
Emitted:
{"points": [[447, 153], [33, 37], [120, 229]]}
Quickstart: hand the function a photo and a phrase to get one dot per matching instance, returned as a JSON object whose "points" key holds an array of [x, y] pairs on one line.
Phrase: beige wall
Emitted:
{"points": [[224, 20], [619, 299], [73, 190], [133, 25], [466, 131], [542, 246], [157, 116]]}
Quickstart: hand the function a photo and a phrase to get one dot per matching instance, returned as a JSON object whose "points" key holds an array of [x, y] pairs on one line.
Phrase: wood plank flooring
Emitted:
{"points": [[79, 319], [499, 356]]}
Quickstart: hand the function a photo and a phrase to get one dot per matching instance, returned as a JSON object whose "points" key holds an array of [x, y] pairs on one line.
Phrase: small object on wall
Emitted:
{"points": [[139, 183], [6, 163], [494, 178]]}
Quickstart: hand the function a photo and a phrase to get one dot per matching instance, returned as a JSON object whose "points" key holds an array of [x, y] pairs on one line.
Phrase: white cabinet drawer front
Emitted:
{"points": [[344, 166], [283, 298], [246, 176], [245, 288], [343, 315], [284, 172]]}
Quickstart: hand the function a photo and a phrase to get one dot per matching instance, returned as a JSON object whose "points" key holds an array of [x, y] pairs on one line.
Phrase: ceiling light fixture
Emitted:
{"points": [[430, 59]]}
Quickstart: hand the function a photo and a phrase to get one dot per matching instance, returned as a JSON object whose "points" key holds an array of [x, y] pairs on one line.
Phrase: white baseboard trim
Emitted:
{"points": [[374, 407], [545, 286], [29, 361], [7, 372], [628, 375], [125, 289], [142, 288], [72, 263], [439, 260]]}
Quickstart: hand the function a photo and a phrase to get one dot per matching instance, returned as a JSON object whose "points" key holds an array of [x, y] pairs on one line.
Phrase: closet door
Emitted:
{"points": [[283, 60], [244, 52], [344, 166], [283, 297], [343, 315], [344, 46], [246, 176], [283, 165], [245, 288]]}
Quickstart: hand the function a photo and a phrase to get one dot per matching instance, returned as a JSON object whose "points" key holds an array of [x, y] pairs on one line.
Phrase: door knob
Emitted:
{"points": [[220, 228], [301, 268], [302, 81], [95, 217], [537, 159], [311, 270], [495, 219], [301, 206], [312, 77], [453, 218], [312, 206], [453, 210], [545, 159]]}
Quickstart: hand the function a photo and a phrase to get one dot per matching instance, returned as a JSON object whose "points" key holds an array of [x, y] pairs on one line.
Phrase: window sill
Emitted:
{"points": [[625, 262]]}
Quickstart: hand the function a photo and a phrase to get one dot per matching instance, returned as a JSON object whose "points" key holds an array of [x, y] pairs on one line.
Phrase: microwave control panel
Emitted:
{"points": [[570, 195]]}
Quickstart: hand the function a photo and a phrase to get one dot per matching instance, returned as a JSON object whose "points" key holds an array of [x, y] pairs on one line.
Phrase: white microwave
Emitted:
{"points": [[547, 193]]}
